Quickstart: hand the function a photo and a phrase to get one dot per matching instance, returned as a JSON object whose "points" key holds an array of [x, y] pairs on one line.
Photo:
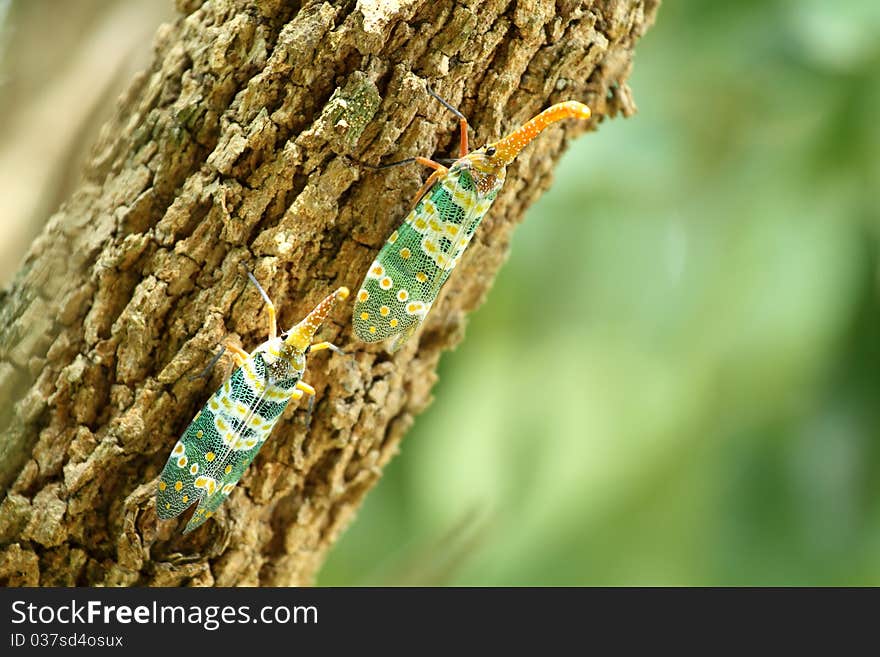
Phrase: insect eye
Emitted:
{"points": [[490, 152]]}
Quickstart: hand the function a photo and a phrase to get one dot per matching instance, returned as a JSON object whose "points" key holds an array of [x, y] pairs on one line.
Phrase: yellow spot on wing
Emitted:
{"points": [[178, 485], [162, 485], [210, 456]]}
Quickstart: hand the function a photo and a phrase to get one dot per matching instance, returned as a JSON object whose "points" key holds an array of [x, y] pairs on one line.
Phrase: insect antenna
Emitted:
{"points": [[259, 288], [379, 167], [463, 148], [273, 324], [452, 108], [210, 367]]}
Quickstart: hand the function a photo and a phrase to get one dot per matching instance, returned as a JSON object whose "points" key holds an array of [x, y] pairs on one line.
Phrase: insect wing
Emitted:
{"points": [[221, 442], [462, 210], [215, 491], [177, 491], [406, 276], [248, 431]]}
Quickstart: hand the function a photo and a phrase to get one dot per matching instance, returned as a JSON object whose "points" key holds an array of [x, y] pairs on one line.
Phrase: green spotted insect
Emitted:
{"points": [[405, 278], [224, 437]]}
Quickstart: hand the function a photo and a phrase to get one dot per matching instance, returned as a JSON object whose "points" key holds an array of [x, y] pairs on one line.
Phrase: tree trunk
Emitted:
{"points": [[244, 145]]}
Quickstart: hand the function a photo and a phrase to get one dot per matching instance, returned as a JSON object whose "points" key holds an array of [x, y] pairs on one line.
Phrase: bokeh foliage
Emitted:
{"points": [[675, 378]]}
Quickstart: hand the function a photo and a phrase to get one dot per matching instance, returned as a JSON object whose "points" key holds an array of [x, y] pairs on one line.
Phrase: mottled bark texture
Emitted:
{"points": [[243, 146]]}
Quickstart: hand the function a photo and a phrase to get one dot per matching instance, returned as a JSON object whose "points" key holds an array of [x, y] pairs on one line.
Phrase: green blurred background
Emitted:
{"points": [[674, 379]]}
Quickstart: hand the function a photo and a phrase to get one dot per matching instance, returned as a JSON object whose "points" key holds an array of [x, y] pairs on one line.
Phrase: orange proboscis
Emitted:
{"points": [[301, 335], [509, 147]]}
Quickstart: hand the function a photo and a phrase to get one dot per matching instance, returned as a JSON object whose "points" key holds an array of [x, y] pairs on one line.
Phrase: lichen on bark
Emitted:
{"points": [[246, 144]]}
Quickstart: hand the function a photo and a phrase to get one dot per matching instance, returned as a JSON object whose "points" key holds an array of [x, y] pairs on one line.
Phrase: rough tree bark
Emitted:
{"points": [[244, 144]]}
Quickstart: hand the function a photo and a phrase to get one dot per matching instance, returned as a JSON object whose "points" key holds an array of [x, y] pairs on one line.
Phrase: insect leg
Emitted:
{"points": [[429, 183], [421, 160], [431, 163], [304, 388], [273, 324], [462, 121], [320, 346], [240, 354], [439, 171], [205, 372]]}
